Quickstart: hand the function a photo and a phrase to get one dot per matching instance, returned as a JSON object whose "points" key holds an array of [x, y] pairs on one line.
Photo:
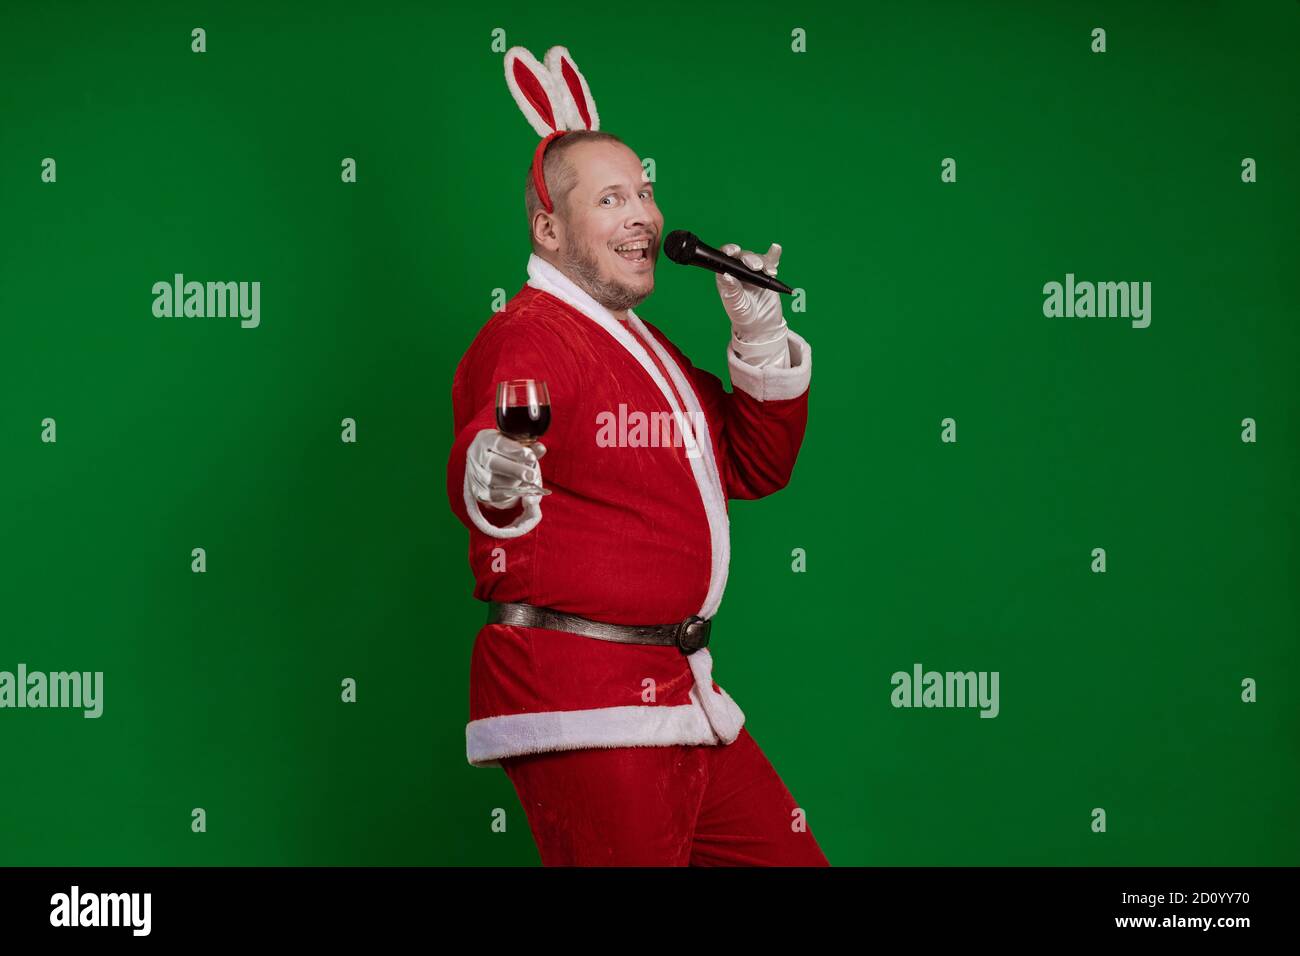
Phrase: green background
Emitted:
{"points": [[924, 300]]}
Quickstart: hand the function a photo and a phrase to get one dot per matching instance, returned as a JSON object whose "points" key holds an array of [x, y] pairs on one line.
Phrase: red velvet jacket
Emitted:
{"points": [[643, 451]]}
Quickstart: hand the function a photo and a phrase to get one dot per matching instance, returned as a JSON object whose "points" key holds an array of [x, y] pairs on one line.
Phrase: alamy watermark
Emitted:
{"points": [[1104, 300], [948, 689], [75, 908], [83, 689], [637, 429], [214, 300]]}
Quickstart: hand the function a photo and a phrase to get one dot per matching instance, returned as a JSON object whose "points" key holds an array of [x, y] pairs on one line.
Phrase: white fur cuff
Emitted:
{"points": [[773, 384], [525, 523]]}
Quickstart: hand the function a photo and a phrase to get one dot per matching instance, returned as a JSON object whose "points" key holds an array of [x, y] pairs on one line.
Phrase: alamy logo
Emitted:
{"points": [[56, 689], [1105, 300], [215, 300], [102, 909], [950, 689], [648, 430]]}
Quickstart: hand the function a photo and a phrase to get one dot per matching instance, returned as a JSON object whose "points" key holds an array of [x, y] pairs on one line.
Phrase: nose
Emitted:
{"points": [[640, 212]]}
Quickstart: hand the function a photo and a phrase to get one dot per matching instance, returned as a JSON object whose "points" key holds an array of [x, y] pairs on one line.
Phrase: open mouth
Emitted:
{"points": [[637, 250]]}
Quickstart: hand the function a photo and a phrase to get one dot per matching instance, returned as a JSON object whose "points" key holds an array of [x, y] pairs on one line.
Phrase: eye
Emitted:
{"points": [[607, 196], [648, 194]]}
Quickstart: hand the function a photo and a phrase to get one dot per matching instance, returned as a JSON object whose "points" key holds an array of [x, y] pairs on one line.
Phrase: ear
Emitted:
{"points": [[536, 91], [546, 230], [577, 99]]}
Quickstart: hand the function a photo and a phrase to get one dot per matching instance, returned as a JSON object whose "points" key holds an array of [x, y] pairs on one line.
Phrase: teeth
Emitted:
{"points": [[630, 246]]}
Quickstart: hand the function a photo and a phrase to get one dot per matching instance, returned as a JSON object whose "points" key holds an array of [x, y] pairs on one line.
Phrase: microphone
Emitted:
{"points": [[685, 248]]}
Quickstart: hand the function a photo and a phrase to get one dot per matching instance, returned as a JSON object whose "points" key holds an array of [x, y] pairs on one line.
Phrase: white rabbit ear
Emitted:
{"points": [[579, 103], [536, 91]]}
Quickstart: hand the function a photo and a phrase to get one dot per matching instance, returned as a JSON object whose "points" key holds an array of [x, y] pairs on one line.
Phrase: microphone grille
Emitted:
{"points": [[679, 245]]}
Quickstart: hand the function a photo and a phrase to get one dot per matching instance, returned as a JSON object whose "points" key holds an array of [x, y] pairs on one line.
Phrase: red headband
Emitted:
{"points": [[554, 98], [539, 180]]}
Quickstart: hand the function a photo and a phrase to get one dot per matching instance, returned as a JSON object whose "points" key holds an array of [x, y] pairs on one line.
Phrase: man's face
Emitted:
{"points": [[610, 206]]}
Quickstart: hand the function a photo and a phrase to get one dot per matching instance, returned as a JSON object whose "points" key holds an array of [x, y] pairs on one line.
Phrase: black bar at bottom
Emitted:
{"points": [[335, 905]]}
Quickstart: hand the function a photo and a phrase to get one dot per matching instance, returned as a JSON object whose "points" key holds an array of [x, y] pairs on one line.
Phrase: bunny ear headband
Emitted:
{"points": [[554, 98]]}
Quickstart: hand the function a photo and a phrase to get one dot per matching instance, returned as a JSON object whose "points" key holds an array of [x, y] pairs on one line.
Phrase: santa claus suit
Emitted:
{"points": [[635, 530]]}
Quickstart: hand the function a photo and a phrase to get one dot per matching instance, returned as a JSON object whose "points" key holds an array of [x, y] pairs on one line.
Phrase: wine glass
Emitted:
{"points": [[524, 414]]}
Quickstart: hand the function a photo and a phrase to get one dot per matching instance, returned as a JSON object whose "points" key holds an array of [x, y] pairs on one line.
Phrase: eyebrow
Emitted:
{"points": [[620, 186]]}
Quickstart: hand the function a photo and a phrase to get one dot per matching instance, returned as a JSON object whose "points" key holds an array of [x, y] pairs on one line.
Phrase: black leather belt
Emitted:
{"points": [[688, 635]]}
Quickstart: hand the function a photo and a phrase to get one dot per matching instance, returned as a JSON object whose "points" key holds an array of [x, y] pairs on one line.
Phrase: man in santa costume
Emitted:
{"points": [[591, 684]]}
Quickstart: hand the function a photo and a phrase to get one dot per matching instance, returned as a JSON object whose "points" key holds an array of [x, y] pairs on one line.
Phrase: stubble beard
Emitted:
{"points": [[579, 262]]}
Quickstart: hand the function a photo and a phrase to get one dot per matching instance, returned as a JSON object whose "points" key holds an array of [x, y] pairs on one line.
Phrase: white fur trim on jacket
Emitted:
{"points": [[711, 718], [542, 275], [715, 501], [772, 384]]}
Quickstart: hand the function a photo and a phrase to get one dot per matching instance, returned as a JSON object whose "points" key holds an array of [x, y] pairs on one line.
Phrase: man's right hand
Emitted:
{"points": [[498, 467]]}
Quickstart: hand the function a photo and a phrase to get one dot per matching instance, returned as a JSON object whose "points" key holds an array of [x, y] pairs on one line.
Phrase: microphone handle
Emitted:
{"points": [[720, 262]]}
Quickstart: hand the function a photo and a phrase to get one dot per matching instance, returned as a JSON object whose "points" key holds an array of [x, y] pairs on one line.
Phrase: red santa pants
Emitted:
{"points": [[678, 805]]}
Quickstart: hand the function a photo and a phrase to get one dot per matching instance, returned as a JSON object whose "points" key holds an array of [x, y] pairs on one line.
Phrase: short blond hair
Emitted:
{"points": [[560, 174]]}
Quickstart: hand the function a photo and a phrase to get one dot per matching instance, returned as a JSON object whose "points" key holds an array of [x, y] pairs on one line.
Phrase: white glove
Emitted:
{"points": [[497, 467], [757, 324]]}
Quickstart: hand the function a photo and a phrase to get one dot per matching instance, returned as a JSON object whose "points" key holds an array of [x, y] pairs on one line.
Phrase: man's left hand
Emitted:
{"points": [[755, 313]]}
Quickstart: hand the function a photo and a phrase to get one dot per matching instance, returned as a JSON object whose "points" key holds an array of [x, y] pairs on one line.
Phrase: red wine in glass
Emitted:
{"points": [[518, 422], [524, 414]]}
